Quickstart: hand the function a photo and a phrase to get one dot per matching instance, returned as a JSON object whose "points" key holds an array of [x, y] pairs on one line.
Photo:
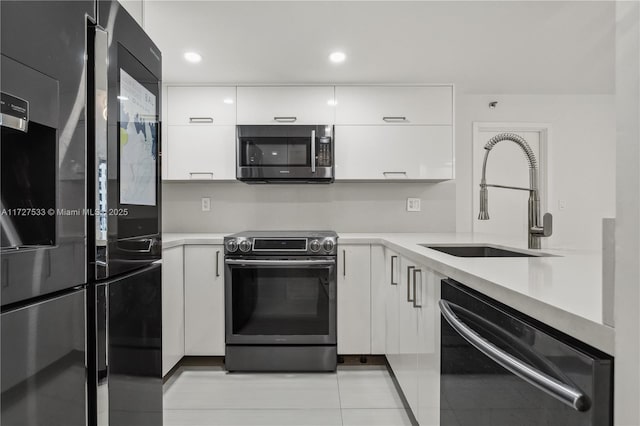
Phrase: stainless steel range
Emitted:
{"points": [[280, 301]]}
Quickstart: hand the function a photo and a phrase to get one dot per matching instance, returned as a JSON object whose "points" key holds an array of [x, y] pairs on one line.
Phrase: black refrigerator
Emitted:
{"points": [[80, 270]]}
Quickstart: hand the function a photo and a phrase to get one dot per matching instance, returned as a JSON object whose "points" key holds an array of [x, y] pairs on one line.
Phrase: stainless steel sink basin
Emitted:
{"points": [[479, 251]]}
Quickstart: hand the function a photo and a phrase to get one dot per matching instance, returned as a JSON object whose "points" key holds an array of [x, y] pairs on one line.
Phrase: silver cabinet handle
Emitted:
{"points": [[344, 263], [285, 119], [394, 173], [218, 263], [564, 393], [415, 284], [279, 262], [409, 269], [392, 119], [200, 120], [313, 151], [196, 174], [393, 268]]}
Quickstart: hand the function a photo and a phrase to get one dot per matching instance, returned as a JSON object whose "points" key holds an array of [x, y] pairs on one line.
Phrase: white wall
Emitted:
{"points": [[581, 158], [346, 207], [135, 9], [627, 257]]}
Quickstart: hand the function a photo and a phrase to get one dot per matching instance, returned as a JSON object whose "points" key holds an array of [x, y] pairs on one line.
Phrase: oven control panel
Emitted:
{"points": [[313, 245]]}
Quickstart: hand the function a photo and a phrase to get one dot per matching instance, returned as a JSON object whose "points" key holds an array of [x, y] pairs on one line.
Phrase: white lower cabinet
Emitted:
{"points": [[354, 299], [412, 332], [172, 307], [204, 300], [428, 289], [392, 289], [407, 335], [379, 289]]}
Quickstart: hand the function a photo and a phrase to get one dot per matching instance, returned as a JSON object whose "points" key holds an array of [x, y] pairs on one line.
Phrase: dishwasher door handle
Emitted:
{"points": [[564, 393]]}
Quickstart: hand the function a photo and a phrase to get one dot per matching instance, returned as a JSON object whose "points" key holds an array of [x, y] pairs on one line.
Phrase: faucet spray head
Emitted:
{"points": [[484, 203]]}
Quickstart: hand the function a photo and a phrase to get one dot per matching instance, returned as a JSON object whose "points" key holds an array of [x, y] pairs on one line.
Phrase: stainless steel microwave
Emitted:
{"points": [[285, 154]]}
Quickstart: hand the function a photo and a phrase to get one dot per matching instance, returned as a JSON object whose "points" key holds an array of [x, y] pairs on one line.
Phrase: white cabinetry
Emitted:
{"points": [[286, 105], [413, 333], [201, 133], [398, 105], [428, 294], [407, 366], [172, 307], [388, 133], [354, 299], [393, 152], [379, 289], [204, 300]]}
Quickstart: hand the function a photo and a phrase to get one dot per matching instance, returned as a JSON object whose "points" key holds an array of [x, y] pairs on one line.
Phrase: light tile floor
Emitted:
{"points": [[354, 395]]}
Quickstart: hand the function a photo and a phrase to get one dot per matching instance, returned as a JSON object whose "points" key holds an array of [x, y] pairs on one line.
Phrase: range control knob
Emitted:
{"points": [[328, 245], [314, 246], [245, 246], [232, 245]]}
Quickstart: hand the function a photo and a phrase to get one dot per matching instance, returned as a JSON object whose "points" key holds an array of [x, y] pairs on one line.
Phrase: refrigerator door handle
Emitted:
{"points": [[102, 354], [101, 84]]}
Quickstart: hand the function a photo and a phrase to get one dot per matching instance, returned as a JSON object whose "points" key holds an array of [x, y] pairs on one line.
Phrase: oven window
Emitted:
{"points": [[280, 301]]}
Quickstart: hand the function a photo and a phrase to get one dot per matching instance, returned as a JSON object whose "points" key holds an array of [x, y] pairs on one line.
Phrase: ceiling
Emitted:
{"points": [[483, 47]]}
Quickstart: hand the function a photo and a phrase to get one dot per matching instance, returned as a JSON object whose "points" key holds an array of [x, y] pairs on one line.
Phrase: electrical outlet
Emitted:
{"points": [[206, 204], [562, 204], [413, 204]]}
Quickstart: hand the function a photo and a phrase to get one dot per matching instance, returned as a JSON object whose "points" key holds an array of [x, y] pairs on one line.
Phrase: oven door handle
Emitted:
{"points": [[279, 262], [563, 392]]}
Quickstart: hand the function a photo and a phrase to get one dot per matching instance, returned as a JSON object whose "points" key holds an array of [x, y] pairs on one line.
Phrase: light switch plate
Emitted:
{"points": [[413, 204], [206, 204]]}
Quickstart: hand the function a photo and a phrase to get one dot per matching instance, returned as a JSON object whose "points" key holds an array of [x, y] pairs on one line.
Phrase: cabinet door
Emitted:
{"points": [[377, 153], [172, 307], [286, 105], [201, 106], [393, 289], [407, 335], [204, 300], [201, 153], [428, 294], [379, 289], [394, 105], [354, 299]]}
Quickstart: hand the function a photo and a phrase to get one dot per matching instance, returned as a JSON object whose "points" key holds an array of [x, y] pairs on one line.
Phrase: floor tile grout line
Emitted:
{"points": [[339, 398]]}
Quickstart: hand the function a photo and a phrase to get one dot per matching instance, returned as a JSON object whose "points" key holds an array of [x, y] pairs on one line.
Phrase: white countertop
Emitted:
{"points": [[564, 291]]}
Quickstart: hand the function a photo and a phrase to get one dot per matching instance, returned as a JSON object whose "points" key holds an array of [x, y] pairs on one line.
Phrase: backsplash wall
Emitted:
{"points": [[343, 207]]}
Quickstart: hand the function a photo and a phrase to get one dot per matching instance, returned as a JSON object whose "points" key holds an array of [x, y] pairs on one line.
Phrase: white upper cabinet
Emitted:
{"points": [[201, 136], [201, 106], [394, 105], [286, 105], [377, 153], [201, 153]]}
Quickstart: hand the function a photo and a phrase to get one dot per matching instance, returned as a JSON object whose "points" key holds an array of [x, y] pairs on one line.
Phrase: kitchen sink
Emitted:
{"points": [[480, 251]]}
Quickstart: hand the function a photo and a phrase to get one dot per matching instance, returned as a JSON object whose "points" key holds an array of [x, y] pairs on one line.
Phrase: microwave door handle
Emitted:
{"points": [[313, 151], [568, 395]]}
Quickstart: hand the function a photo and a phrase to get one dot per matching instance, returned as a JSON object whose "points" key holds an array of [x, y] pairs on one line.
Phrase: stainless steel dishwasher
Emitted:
{"points": [[500, 367]]}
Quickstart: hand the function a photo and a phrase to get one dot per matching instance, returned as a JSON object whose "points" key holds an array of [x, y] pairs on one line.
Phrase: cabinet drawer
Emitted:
{"points": [[201, 105], [201, 153], [286, 105], [375, 105], [377, 153]]}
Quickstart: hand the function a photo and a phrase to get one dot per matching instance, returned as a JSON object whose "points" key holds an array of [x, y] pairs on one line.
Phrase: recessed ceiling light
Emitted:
{"points": [[332, 102], [193, 57], [337, 57], [228, 101]]}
